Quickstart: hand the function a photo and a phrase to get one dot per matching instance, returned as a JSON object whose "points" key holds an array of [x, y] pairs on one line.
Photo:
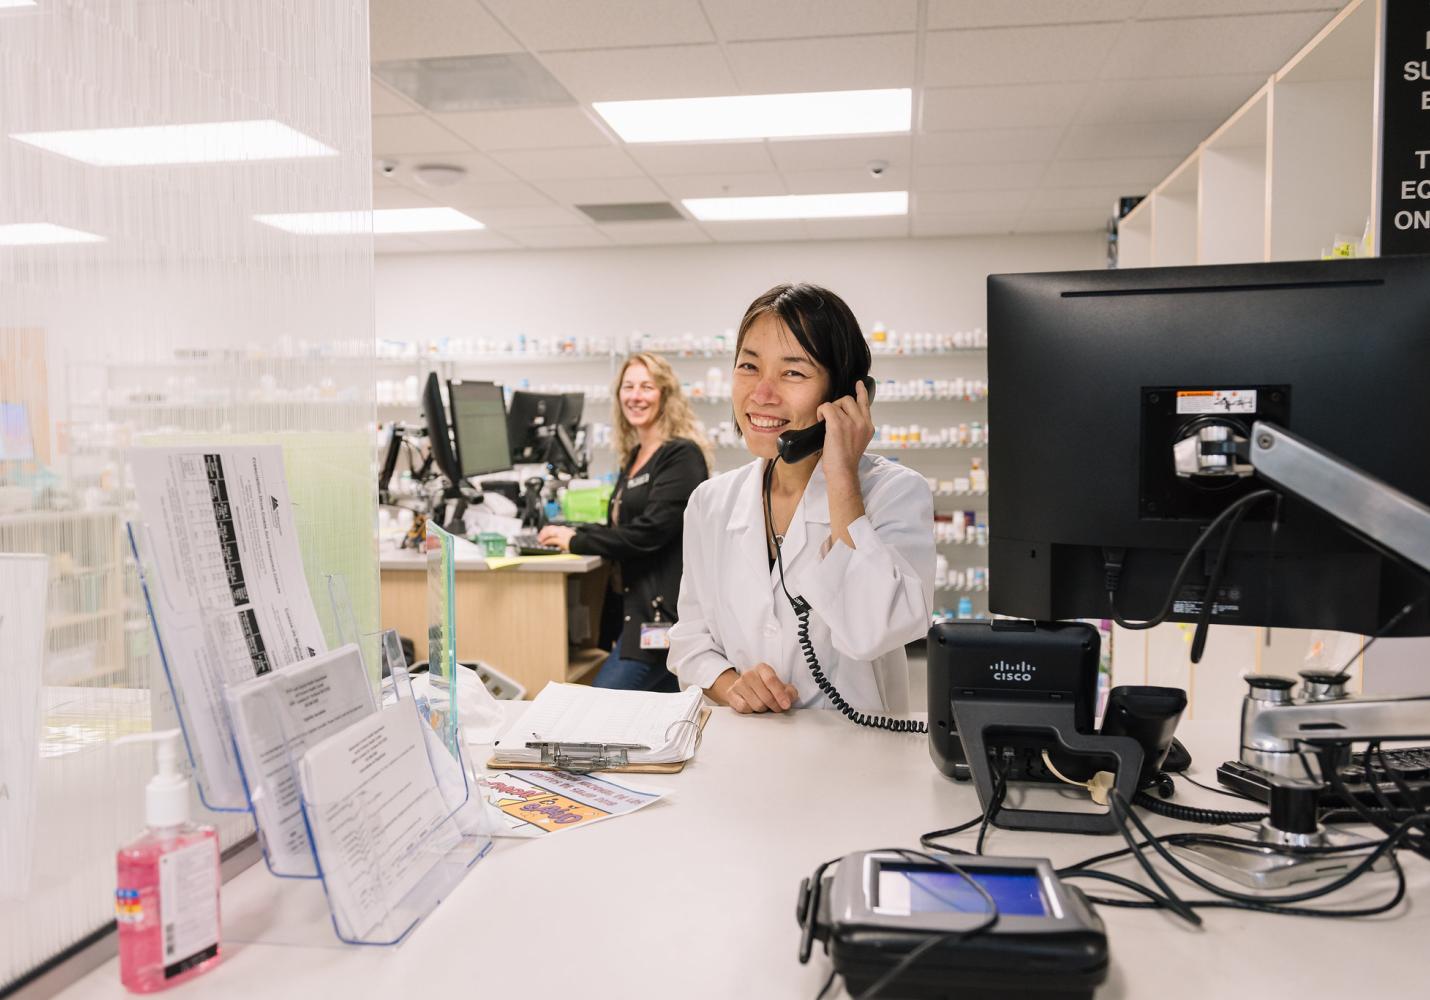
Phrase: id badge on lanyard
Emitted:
{"points": [[655, 634]]}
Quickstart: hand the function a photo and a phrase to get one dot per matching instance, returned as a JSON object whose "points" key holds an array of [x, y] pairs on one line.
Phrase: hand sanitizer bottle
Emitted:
{"points": [[167, 899]]}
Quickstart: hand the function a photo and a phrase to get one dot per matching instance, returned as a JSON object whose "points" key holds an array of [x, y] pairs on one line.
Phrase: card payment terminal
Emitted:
{"points": [[881, 905]]}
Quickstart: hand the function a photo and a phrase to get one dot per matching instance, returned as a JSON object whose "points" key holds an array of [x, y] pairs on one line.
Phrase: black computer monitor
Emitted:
{"points": [[439, 434], [479, 427], [530, 419], [1097, 374], [573, 407]]}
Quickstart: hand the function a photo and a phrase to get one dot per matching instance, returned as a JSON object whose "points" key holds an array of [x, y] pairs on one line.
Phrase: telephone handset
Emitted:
{"points": [[795, 446]]}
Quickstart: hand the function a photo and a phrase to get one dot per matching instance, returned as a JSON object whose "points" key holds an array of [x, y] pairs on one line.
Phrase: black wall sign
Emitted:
{"points": [[1405, 129]]}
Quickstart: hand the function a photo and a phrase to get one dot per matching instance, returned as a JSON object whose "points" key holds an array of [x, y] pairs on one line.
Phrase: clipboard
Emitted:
{"points": [[595, 756]]}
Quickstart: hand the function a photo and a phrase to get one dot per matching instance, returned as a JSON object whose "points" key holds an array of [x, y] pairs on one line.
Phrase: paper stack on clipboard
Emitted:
{"points": [[578, 728]]}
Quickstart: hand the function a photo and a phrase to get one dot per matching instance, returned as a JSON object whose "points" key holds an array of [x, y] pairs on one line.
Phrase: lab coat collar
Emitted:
{"points": [[749, 512]]}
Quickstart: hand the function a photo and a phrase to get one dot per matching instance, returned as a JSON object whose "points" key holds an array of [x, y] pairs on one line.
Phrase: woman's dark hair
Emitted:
{"points": [[823, 325]]}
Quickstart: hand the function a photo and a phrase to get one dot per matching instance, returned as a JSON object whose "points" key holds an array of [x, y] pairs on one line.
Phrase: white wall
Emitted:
{"points": [[931, 284]]}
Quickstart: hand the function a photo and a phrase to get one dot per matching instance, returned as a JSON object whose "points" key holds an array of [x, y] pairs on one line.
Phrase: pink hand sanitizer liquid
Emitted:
{"points": [[167, 899]]}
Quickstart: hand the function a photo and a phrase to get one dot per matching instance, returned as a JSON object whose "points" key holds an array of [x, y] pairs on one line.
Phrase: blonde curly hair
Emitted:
{"points": [[675, 419]]}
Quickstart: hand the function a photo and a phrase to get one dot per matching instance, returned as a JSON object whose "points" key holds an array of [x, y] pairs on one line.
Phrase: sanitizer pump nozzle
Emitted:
{"points": [[166, 797]]}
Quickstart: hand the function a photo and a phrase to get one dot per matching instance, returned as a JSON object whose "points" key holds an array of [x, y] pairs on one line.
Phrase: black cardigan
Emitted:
{"points": [[646, 542]]}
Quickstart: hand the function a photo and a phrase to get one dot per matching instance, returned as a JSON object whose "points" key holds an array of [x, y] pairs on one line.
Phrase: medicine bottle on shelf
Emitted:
{"points": [[167, 899], [977, 477]]}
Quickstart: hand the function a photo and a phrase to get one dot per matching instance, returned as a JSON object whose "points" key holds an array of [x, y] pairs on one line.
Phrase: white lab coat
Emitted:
{"points": [[867, 602]]}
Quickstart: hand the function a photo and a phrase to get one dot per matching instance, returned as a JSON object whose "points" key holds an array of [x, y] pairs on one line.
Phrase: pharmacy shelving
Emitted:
{"points": [[1289, 175]]}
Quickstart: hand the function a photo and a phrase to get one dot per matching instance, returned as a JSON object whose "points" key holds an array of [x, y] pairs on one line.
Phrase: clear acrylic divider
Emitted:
{"points": [[386, 861]]}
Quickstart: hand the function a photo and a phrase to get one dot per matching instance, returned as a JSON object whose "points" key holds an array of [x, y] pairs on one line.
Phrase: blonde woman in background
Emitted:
{"points": [[665, 458]]}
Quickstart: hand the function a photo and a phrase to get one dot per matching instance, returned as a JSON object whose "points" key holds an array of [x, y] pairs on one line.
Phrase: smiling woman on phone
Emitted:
{"points": [[835, 544]]}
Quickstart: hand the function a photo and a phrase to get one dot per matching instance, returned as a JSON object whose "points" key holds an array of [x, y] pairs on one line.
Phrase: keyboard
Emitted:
{"points": [[1410, 764], [527, 545]]}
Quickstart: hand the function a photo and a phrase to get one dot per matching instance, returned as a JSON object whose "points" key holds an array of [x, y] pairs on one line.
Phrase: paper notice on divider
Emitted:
{"points": [[276, 718], [378, 819], [24, 583], [230, 595]]}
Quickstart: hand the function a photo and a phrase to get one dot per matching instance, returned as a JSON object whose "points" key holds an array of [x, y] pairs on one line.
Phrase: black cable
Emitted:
{"points": [[1415, 801], [1112, 564], [1154, 901], [926, 840], [1120, 812], [1000, 789], [806, 644], [1365, 865], [1192, 814], [1204, 617]]}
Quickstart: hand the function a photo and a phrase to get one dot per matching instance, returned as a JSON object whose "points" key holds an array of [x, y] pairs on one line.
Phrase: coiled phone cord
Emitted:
{"points": [[801, 610]]}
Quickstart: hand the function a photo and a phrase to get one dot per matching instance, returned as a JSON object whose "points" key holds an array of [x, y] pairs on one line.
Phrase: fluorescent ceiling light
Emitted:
{"points": [[17, 3], [380, 222], [762, 116], [33, 234], [799, 206], [206, 142]]}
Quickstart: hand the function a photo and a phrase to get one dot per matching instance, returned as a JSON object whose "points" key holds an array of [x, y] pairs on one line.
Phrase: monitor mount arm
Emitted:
{"points": [[1277, 725]]}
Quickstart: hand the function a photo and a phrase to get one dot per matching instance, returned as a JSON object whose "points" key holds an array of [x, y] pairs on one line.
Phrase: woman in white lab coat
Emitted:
{"points": [[854, 532]]}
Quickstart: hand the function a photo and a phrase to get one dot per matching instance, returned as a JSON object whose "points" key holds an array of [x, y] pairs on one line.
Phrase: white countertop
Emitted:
{"points": [[694, 896]]}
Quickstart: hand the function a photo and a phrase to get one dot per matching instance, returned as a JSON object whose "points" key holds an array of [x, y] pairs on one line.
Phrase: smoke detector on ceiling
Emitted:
{"points": [[438, 175]]}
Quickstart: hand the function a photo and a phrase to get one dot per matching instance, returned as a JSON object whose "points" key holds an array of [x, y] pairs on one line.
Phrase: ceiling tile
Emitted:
{"points": [[1070, 221], [465, 241], [702, 157], [557, 164], [1155, 9], [1092, 142], [1208, 46], [602, 190], [825, 154], [1010, 145], [755, 232], [980, 176], [745, 20], [849, 179], [529, 128], [1050, 199], [1137, 176], [600, 24], [1017, 55], [643, 74], [858, 229], [1013, 106], [476, 195], [559, 236], [1168, 99], [634, 233], [507, 219], [394, 135], [966, 202], [386, 101], [401, 29], [867, 62], [964, 223], [388, 195], [723, 185], [396, 244], [982, 14]]}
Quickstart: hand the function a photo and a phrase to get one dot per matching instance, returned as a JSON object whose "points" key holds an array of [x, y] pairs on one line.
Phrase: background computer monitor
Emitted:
{"points": [[439, 434], [479, 427], [528, 415], [17, 441], [1087, 367]]}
